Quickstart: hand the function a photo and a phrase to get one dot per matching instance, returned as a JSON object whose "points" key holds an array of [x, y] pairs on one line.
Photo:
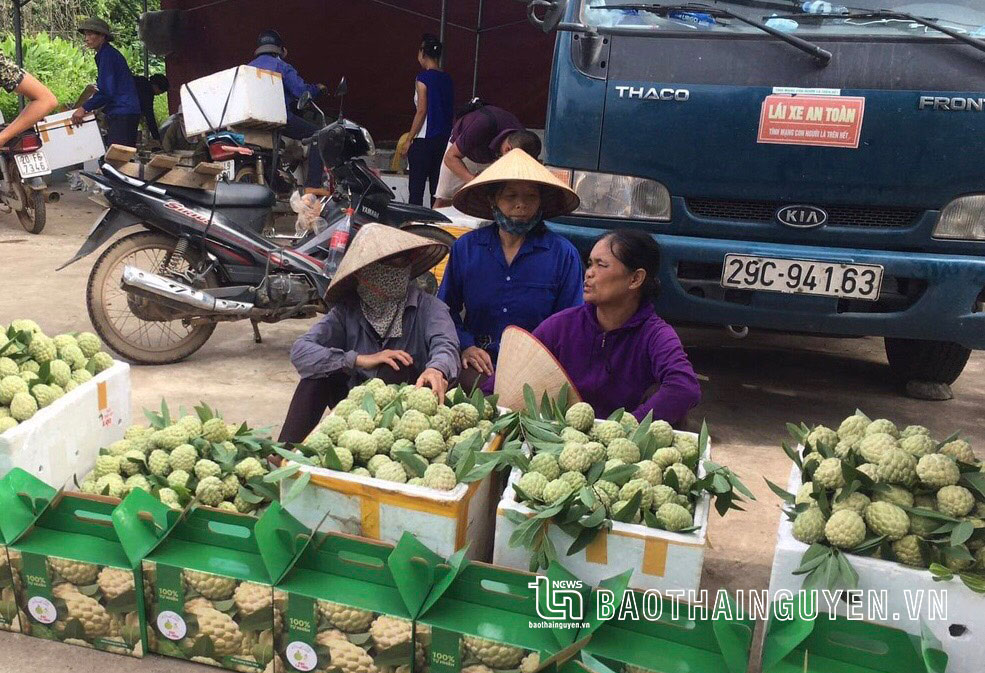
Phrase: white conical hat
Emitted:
{"points": [[524, 360]]}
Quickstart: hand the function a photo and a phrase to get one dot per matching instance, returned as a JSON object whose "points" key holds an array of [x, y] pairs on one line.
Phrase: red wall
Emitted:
{"points": [[375, 47]]}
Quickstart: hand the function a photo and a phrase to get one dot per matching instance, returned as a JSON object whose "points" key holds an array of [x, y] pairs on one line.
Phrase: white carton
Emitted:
{"points": [[445, 521], [661, 559], [63, 439], [961, 629], [256, 100], [65, 144]]}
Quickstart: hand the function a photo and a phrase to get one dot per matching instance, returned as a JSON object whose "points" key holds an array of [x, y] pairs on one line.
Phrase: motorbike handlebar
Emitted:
{"points": [[309, 140]]}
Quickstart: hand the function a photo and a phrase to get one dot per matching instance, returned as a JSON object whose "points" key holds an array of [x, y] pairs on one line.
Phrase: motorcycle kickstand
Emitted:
{"points": [[257, 339]]}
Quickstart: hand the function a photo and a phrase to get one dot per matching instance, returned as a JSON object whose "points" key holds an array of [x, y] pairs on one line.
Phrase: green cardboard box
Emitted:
{"points": [[842, 645], [210, 581], [77, 585], [38, 495], [479, 618], [343, 610], [635, 644]]}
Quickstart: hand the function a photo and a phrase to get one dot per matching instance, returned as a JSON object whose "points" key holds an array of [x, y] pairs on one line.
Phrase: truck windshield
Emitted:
{"points": [[964, 16]]}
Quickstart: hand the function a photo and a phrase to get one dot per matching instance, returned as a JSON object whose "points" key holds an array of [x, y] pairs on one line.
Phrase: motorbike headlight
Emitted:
{"points": [[620, 196], [369, 142], [962, 219]]}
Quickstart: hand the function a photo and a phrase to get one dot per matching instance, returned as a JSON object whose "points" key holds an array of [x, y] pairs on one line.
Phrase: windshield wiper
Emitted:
{"points": [[888, 14], [823, 56]]}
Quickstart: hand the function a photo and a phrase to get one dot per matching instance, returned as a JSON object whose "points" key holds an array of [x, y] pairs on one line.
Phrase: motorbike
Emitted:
{"points": [[22, 187], [156, 295]]}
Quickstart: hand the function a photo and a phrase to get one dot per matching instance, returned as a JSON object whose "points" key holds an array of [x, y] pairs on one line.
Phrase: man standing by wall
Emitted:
{"points": [[117, 94], [147, 88], [478, 138]]}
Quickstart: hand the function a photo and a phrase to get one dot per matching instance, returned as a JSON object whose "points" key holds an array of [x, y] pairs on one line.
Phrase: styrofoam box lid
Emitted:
{"points": [[701, 510]]}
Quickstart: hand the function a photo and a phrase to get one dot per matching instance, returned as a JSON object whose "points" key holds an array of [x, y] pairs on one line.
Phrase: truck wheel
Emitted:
{"points": [[928, 361]]}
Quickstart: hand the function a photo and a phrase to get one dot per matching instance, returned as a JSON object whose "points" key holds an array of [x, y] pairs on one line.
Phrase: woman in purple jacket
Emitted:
{"points": [[615, 347]]}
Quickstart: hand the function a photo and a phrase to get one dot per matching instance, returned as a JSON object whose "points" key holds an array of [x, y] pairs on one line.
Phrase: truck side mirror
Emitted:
{"points": [[553, 13]]}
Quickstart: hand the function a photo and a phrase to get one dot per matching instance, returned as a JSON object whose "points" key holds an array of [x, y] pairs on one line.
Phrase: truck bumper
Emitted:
{"points": [[924, 296]]}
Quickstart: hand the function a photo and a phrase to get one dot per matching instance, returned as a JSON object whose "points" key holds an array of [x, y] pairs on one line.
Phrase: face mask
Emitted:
{"points": [[511, 225]]}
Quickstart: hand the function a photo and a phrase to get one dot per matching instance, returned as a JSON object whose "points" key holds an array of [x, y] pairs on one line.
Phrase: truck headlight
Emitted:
{"points": [[963, 219], [622, 196]]}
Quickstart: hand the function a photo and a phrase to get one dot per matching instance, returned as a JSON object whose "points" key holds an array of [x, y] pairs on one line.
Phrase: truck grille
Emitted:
{"points": [[838, 216]]}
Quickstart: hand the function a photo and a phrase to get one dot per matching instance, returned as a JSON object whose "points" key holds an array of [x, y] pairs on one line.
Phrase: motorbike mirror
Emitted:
{"points": [[343, 88], [305, 100]]}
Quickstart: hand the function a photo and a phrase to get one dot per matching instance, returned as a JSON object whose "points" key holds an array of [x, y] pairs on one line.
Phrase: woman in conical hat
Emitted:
{"points": [[515, 272], [380, 325]]}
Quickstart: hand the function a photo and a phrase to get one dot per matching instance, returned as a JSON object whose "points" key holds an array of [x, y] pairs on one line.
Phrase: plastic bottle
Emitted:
{"points": [[822, 7], [338, 243]]}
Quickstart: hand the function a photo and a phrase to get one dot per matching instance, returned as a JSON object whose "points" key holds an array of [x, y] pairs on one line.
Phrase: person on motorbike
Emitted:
{"points": [[380, 325], [117, 94], [270, 54], [515, 272], [15, 79]]}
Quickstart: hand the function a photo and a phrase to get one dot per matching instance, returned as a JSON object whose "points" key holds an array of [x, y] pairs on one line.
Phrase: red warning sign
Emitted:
{"points": [[824, 121]]}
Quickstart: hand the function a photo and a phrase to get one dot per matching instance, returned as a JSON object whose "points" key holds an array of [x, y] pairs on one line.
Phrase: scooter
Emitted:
{"points": [[22, 187]]}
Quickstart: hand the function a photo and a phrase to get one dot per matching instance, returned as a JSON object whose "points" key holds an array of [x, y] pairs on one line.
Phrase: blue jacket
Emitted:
{"points": [[544, 278], [117, 93], [294, 86]]}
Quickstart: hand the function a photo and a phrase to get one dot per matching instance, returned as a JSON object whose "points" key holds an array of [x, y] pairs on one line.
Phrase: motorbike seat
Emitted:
{"points": [[398, 212], [227, 195]]}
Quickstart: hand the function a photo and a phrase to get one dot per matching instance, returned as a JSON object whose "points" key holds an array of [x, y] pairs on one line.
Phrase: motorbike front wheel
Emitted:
{"points": [[140, 330], [33, 216]]}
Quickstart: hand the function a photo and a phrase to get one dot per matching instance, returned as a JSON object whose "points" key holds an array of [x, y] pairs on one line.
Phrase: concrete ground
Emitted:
{"points": [[751, 388]]}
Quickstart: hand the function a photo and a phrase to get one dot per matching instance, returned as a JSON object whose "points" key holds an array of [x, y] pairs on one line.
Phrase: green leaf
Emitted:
{"points": [[587, 496], [974, 581], [294, 457], [296, 488], [974, 481], [617, 414], [787, 497], [413, 462], [331, 460], [620, 474], [961, 533], [531, 402], [515, 516], [369, 405], [584, 538], [704, 437], [642, 430], [563, 397], [249, 496], [628, 510], [594, 472], [282, 473], [793, 456], [596, 518]]}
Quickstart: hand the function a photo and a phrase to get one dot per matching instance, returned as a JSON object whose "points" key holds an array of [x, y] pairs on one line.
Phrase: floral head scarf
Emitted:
{"points": [[382, 291]]}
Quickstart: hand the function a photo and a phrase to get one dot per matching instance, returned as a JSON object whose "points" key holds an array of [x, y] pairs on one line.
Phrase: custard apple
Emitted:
{"points": [[384, 440], [243, 506], [828, 474], [170, 438], [178, 478], [251, 598], [463, 416], [10, 386], [666, 457], [881, 426], [93, 616], [959, 450], [907, 551], [61, 372], [77, 572], [873, 446], [411, 424], [214, 430], [6, 423], [685, 477], [607, 431], [42, 349], [822, 436], [532, 484], [870, 470], [663, 433], [137, 481], [673, 517], [114, 582], [808, 527], [556, 491], [606, 490], [210, 491], [574, 457], [423, 400], [612, 463], [574, 479], [361, 444], [580, 416], [546, 464], [345, 407], [44, 395], [89, 343], [493, 654], [897, 466], [227, 639], [347, 619], [629, 423], [318, 442], [650, 471], [75, 358], [119, 448], [346, 459], [442, 424], [918, 445], [8, 367], [955, 501], [348, 658], [913, 431], [392, 471], [230, 486], [856, 502], [624, 450], [333, 426], [569, 434], [440, 477], [596, 451], [688, 446], [844, 449], [212, 587], [897, 495], [845, 529], [429, 443], [376, 462], [887, 519], [400, 445], [360, 472], [805, 494], [936, 470], [637, 485], [361, 420], [111, 485], [248, 468], [853, 428], [661, 495]]}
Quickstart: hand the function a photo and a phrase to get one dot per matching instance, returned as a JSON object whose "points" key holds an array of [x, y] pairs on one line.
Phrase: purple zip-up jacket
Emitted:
{"points": [[615, 369]]}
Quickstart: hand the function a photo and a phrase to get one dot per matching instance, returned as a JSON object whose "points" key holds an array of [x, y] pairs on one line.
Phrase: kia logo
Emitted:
{"points": [[804, 217]]}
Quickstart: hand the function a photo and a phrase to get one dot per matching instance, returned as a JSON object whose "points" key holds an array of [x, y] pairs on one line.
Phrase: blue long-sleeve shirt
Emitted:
{"points": [[294, 86], [545, 277], [117, 93]]}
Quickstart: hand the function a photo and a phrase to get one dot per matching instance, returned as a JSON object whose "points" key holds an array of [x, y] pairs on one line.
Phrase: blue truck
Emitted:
{"points": [[805, 168]]}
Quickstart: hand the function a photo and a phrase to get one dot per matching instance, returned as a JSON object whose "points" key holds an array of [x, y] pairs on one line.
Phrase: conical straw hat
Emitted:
{"points": [[556, 197], [380, 243], [524, 360]]}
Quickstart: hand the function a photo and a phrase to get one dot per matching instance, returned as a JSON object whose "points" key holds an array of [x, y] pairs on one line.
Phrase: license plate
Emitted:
{"points": [[32, 165], [228, 170], [802, 276]]}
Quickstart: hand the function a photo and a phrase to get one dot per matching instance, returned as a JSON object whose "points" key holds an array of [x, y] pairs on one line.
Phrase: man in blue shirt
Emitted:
{"points": [[269, 55], [117, 92]]}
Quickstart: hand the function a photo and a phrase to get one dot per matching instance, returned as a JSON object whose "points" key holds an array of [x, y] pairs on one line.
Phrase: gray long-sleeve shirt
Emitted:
{"points": [[333, 343]]}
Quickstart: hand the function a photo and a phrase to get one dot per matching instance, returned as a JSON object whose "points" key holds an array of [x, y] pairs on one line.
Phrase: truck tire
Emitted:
{"points": [[932, 361]]}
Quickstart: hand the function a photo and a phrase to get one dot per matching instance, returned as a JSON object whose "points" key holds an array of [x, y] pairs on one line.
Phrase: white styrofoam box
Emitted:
{"points": [[445, 521], [67, 145], [962, 633], [63, 439], [256, 100], [661, 559], [398, 184]]}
